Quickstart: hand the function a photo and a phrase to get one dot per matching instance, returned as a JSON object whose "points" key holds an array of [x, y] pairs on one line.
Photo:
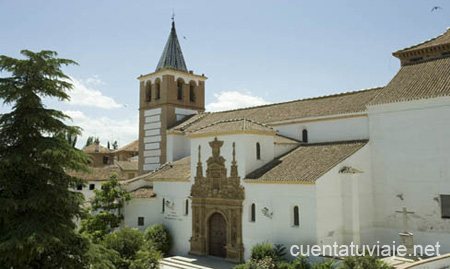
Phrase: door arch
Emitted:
{"points": [[217, 235]]}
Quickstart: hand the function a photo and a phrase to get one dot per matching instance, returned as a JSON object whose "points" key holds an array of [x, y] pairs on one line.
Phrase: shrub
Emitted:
{"points": [[279, 252], [284, 265], [126, 242], [159, 236], [264, 263], [300, 263], [325, 265], [241, 266], [146, 258], [260, 251], [364, 262]]}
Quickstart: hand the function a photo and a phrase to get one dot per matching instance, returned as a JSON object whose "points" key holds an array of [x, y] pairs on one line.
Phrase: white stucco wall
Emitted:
{"points": [[178, 147], [141, 207], [174, 218], [280, 199], [281, 149], [345, 202], [245, 151], [88, 194], [411, 168], [344, 129]]}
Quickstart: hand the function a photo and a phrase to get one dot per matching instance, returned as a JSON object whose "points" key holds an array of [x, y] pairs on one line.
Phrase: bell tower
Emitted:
{"points": [[166, 96]]}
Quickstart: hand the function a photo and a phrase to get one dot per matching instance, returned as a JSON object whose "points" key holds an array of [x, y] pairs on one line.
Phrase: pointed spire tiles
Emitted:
{"points": [[172, 57]]}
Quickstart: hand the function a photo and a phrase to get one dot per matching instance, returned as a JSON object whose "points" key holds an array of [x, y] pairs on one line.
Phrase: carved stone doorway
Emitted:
{"points": [[217, 208], [217, 235]]}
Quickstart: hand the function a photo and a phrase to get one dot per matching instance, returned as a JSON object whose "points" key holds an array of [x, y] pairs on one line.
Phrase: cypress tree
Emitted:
{"points": [[37, 203]]}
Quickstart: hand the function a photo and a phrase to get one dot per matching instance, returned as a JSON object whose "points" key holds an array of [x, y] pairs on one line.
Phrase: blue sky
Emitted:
{"points": [[253, 52]]}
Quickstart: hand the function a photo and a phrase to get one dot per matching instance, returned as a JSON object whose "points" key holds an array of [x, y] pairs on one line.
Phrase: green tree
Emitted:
{"points": [[89, 141], [115, 145], [106, 209], [37, 204], [127, 242], [71, 138], [159, 237]]}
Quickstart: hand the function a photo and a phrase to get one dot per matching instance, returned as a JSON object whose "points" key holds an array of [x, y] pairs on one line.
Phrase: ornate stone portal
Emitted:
{"points": [[217, 208]]}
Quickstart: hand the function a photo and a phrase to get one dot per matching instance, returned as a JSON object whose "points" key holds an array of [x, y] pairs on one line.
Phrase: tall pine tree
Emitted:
{"points": [[37, 204]]}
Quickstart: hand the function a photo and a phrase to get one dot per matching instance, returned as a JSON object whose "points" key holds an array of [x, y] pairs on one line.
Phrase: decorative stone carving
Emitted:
{"points": [[217, 193]]}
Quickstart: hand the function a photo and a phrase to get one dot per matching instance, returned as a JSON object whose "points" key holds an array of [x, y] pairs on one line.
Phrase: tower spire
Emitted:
{"points": [[172, 56]]}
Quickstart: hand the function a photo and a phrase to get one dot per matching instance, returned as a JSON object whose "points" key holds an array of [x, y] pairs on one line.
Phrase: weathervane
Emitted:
{"points": [[173, 15]]}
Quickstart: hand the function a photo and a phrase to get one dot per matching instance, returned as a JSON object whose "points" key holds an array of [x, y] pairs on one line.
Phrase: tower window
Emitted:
{"points": [[80, 187], [148, 92], [186, 210], [192, 92], [253, 213], [91, 187], [140, 221], [163, 205], [296, 217], [157, 91], [180, 90], [305, 135], [258, 151]]}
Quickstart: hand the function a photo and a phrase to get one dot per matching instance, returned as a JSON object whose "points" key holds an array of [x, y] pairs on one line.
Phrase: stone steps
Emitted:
{"points": [[178, 262]]}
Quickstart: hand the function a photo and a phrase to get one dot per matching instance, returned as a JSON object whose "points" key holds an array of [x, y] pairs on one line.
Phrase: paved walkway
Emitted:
{"points": [[194, 262]]}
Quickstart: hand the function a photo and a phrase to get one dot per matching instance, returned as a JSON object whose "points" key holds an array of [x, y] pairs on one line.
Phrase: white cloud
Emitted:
{"points": [[83, 95], [94, 80], [107, 129], [233, 100]]}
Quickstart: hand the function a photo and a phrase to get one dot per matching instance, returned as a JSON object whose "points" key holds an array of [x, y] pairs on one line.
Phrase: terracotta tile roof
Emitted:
{"points": [[442, 39], [307, 163], [422, 80], [279, 139], [98, 174], [233, 125], [127, 165], [338, 104], [95, 148], [143, 192], [179, 170], [130, 147]]}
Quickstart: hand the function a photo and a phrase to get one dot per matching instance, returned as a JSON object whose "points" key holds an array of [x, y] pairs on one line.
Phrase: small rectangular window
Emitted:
{"points": [[80, 187], [445, 206], [140, 221], [91, 187], [105, 159]]}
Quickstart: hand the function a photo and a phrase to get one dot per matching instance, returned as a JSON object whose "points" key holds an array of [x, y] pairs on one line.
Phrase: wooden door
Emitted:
{"points": [[217, 235]]}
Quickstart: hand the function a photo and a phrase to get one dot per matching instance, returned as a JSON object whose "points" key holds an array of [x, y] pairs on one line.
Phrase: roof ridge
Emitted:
{"points": [[231, 120], [354, 141], [121, 148], [300, 100], [201, 115], [422, 43]]}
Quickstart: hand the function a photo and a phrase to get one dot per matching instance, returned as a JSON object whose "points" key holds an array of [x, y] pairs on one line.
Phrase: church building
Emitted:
{"points": [[311, 171]]}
